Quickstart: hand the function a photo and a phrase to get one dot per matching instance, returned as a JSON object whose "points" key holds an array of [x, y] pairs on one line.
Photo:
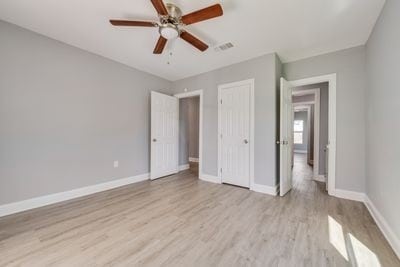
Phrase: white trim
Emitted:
{"points": [[303, 103], [252, 130], [265, 189], [350, 195], [331, 79], [317, 131], [251, 141], [37, 202], [301, 107], [303, 92], [210, 178], [184, 167], [320, 178], [193, 159], [387, 231], [201, 103], [300, 151], [189, 94]]}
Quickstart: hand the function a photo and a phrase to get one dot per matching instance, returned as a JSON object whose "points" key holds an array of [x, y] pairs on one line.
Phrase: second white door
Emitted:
{"points": [[164, 135], [234, 131], [286, 138]]}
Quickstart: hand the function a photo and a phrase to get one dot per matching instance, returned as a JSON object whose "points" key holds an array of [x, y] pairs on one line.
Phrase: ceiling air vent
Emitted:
{"points": [[223, 47]]}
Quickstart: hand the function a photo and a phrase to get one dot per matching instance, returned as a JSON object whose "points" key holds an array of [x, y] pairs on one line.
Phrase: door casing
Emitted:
{"points": [[331, 79]]}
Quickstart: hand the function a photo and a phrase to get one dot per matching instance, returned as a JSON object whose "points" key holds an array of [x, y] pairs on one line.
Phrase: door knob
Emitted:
{"points": [[245, 141], [154, 140]]}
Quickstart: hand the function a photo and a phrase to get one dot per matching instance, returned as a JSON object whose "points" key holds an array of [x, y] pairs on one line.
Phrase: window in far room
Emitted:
{"points": [[298, 132]]}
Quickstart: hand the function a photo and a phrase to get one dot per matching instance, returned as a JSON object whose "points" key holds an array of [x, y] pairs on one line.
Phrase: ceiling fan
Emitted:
{"points": [[172, 23]]}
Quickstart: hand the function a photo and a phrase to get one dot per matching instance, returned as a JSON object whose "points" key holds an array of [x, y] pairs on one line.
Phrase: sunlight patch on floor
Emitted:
{"points": [[336, 237], [360, 254], [363, 255]]}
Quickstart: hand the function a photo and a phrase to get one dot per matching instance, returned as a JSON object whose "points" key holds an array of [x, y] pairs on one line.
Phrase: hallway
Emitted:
{"points": [[303, 176]]}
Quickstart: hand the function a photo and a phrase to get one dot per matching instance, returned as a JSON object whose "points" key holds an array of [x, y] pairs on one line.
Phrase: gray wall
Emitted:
{"points": [[349, 65], [310, 148], [264, 71], [303, 98], [66, 115], [188, 129], [303, 116], [323, 118], [383, 128]]}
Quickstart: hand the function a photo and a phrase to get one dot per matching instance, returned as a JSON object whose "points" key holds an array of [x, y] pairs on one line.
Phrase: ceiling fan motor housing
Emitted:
{"points": [[174, 13]]}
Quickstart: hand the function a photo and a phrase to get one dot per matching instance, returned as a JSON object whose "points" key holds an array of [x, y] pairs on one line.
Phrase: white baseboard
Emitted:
{"points": [[320, 178], [193, 160], [387, 231], [300, 151], [270, 190], [184, 167], [350, 195], [209, 178], [37, 202]]}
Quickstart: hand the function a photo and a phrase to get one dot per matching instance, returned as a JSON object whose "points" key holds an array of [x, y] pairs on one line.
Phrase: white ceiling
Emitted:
{"points": [[294, 29]]}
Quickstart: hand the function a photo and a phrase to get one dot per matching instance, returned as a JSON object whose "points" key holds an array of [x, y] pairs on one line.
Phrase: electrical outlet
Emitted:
{"points": [[116, 164]]}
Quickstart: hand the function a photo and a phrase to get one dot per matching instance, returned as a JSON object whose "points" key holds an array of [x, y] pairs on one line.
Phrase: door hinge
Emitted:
{"points": [[221, 101], [220, 170]]}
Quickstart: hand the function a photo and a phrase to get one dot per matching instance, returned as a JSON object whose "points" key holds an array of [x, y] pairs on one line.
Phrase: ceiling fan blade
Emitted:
{"points": [[203, 14], [117, 22], [160, 45], [160, 7], [194, 41]]}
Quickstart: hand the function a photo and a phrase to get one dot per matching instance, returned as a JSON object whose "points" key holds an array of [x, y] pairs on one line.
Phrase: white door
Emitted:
{"points": [[286, 137], [164, 135], [234, 130]]}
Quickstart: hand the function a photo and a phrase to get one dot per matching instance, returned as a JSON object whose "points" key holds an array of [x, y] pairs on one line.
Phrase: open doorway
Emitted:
{"points": [[310, 132], [170, 145], [191, 132], [189, 120], [317, 163]]}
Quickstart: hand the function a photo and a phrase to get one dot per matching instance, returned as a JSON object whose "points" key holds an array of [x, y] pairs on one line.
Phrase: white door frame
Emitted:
{"points": [[200, 94], [331, 79], [317, 110], [251, 141]]}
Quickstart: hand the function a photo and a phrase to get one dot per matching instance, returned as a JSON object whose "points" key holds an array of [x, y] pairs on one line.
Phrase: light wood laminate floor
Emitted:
{"points": [[182, 221]]}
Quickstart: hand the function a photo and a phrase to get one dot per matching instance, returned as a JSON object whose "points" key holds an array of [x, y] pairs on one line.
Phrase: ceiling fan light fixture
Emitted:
{"points": [[169, 31]]}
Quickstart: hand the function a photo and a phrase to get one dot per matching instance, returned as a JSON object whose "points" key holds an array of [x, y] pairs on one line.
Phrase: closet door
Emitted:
{"points": [[234, 130]]}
